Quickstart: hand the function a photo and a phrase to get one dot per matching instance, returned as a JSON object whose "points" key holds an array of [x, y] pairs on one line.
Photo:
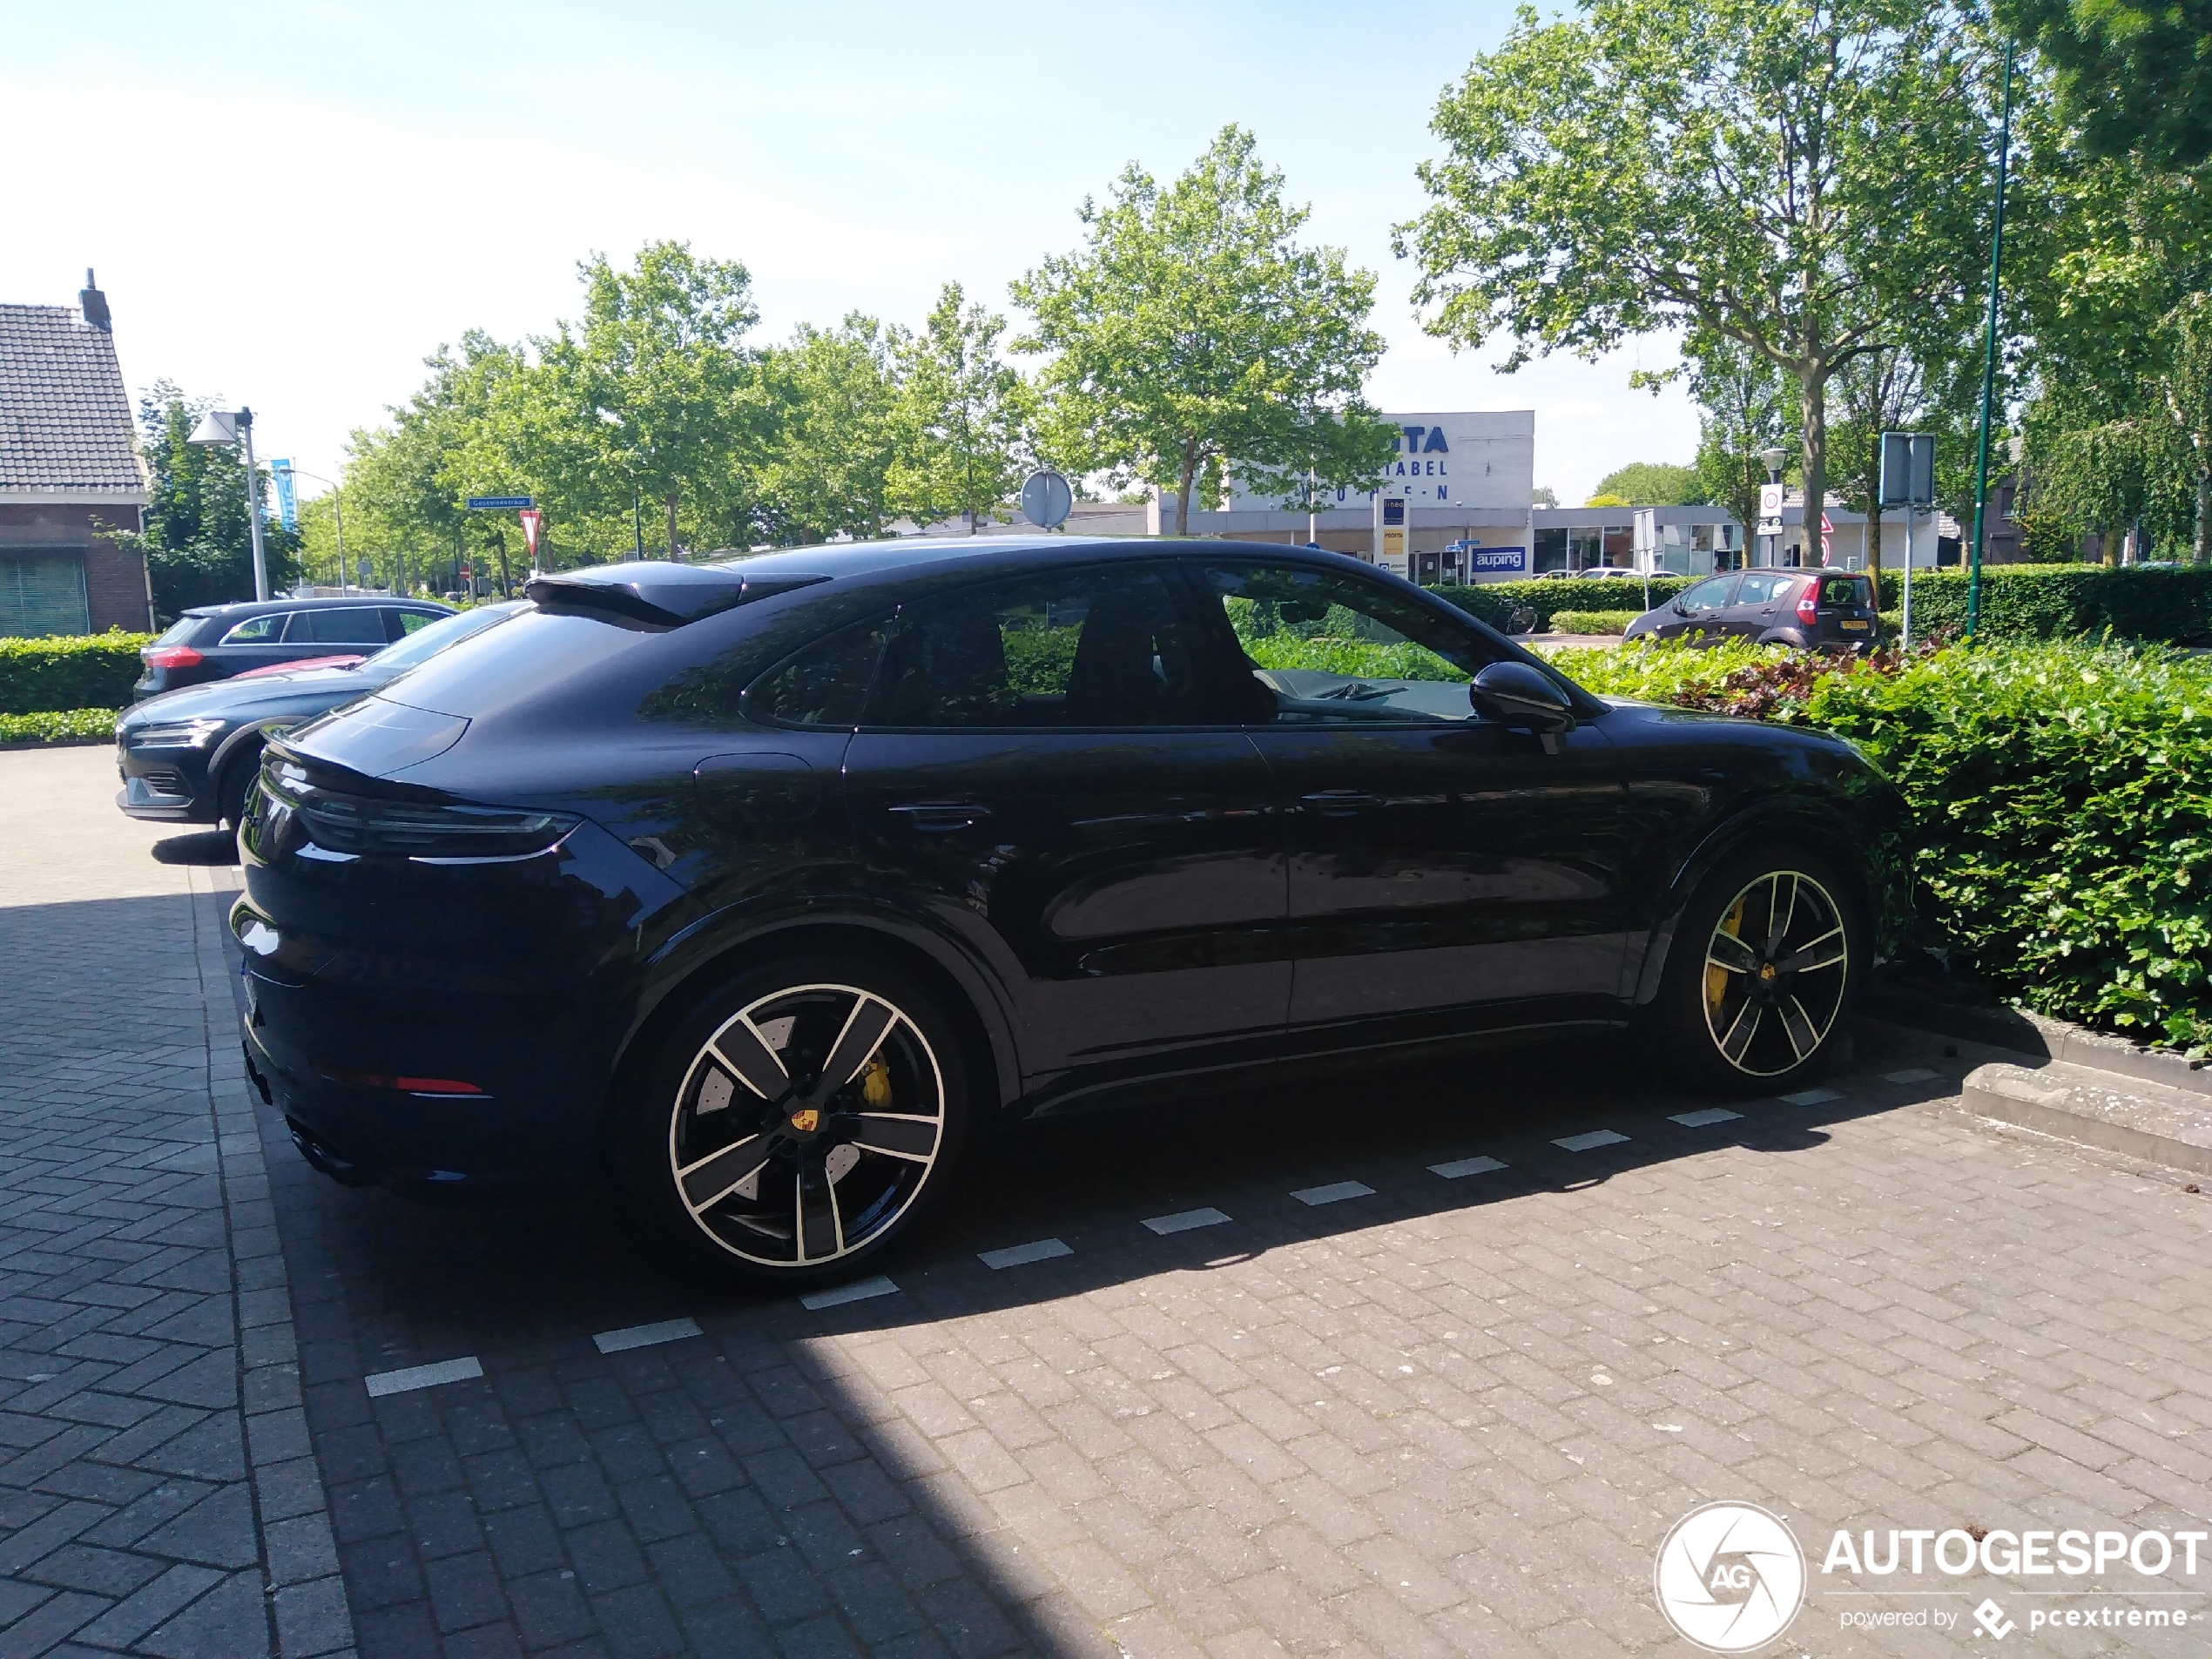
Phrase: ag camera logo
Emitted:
{"points": [[1731, 1577]]}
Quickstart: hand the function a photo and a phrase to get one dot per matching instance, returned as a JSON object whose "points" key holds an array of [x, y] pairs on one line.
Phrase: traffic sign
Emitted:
{"points": [[1046, 499], [531, 519], [498, 503], [1770, 501]]}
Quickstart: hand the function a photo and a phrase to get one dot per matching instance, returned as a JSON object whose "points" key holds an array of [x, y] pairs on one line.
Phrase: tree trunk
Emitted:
{"points": [[1874, 533], [1812, 456], [506, 589], [2204, 516], [670, 505], [1182, 496]]}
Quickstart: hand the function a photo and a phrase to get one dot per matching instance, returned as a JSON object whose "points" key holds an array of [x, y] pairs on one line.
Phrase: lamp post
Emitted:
{"points": [[338, 507], [1774, 455], [217, 428]]}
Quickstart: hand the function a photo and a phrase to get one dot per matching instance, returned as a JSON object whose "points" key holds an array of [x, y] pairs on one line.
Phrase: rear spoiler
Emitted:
{"points": [[657, 593]]}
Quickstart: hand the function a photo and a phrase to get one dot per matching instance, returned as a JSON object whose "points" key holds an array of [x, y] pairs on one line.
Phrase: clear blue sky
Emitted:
{"points": [[409, 171]]}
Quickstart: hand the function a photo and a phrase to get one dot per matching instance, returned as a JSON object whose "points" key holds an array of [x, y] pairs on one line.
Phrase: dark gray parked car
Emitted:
{"points": [[215, 642], [1822, 609]]}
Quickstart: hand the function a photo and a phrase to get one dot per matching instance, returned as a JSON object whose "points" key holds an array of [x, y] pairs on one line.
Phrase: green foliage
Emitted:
{"points": [[198, 541], [78, 671], [1731, 168], [1654, 483], [1191, 336], [67, 725], [835, 414], [2131, 76], [961, 417], [2027, 602], [1592, 621], [2060, 791]]}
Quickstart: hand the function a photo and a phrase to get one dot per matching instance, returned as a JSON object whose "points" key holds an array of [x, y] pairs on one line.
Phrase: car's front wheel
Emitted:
{"points": [[797, 1123], [1761, 972]]}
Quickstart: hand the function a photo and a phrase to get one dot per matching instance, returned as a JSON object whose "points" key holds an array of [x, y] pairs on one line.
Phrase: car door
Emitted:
{"points": [[1697, 611], [1756, 607], [1040, 767], [1447, 874]]}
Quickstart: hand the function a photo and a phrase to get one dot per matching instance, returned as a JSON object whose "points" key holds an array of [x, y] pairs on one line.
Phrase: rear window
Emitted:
{"points": [[1844, 590], [181, 629]]}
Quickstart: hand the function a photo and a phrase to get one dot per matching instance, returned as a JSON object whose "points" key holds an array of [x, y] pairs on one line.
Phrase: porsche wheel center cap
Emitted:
{"points": [[807, 1121], [1767, 972]]}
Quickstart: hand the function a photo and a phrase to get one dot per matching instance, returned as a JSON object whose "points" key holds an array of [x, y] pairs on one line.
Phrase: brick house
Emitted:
{"points": [[69, 470]]}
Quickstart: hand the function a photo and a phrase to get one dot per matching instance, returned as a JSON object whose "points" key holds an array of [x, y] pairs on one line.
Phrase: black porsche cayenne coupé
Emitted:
{"points": [[758, 887]]}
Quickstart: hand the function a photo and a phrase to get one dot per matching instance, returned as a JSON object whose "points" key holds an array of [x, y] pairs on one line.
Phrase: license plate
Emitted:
{"points": [[1850, 627]]}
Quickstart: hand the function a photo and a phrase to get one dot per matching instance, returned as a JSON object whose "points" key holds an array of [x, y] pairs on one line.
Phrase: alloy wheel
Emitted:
{"points": [[807, 1125], [1775, 973]]}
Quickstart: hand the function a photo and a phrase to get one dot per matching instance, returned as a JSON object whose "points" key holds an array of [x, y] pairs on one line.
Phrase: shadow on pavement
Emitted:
{"points": [[207, 847]]}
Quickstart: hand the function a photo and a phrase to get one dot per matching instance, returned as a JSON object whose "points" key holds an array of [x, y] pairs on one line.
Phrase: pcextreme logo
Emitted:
{"points": [[1731, 1577]]}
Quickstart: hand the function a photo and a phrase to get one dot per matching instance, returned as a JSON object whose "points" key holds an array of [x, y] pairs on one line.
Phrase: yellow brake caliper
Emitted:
{"points": [[1716, 977], [875, 1084]]}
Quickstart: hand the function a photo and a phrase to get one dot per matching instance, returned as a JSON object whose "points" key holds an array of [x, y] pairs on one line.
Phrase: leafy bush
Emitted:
{"points": [[69, 725], [1592, 621], [69, 673], [2062, 601], [2061, 791]]}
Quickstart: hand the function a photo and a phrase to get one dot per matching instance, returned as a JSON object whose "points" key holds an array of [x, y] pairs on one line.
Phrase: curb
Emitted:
{"points": [[2145, 1120]]}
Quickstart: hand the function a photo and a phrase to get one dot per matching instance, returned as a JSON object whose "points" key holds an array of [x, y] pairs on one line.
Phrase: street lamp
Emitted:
{"points": [[338, 507], [219, 428]]}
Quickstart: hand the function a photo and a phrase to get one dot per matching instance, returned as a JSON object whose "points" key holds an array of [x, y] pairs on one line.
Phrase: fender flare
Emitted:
{"points": [[717, 941], [1821, 833], [251, 735]]}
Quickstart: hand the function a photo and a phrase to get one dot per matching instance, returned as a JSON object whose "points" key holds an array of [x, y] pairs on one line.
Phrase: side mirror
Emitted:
{"points": [[1680, 608], [1516, 694]]}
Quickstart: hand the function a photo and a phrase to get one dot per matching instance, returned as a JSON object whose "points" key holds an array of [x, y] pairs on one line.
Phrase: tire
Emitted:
{"points": [[236, 778], [761, 1174], [1745, 1007]]}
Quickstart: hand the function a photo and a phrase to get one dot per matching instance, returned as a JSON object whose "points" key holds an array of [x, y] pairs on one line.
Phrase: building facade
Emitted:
{"points": [[69, 475]]}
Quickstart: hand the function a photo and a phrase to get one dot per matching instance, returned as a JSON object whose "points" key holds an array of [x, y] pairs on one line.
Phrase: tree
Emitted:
{"points": [[1653, 483], [835, 397], [2135, 78], [961, 416], [1745, 404], [1800, 179], [1888, 390], [652, 385], [198, 543], [1192, 335]]}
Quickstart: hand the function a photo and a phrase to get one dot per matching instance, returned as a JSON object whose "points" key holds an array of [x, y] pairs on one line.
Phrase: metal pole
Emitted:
{"points": [[1906, 628], [253, 506], [338, 506], [1989, 358]]}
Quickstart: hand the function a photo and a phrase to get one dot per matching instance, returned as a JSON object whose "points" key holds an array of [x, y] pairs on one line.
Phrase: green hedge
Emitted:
{"points": [[1592, 621], [69, 673], [2062, 601], [1495, 602], [68, 726], [2061, 792]]}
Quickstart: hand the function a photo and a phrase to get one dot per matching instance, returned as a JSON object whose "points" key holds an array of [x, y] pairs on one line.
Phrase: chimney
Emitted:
{"points": [[95, 304]]}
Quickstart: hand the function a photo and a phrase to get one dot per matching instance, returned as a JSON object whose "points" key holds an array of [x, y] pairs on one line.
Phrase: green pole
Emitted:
{"points": [[1989, 359]]}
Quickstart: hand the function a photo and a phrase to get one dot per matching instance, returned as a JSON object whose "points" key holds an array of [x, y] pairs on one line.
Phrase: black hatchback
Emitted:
{"points": [[1818, 609], [760, 887], [215, 642]]}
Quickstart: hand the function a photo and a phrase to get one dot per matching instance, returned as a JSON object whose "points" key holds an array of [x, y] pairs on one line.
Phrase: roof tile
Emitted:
{"points": [[64, 415]]}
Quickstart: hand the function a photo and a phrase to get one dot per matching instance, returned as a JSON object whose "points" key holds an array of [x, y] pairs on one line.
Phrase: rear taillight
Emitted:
{"points": [[424, 832], [172, 656], [1808, 604]]}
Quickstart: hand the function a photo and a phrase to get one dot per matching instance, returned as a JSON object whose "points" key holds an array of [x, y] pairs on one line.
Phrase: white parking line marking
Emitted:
{"points": [[1909, 1075], [645, 1336], [858, 1291], [1019, 1255], [1335, 1192], [1705, 1119], [1185, 1221], [1458, 1167], [1596, 1137], [382, 1383], [1812, 1097]]}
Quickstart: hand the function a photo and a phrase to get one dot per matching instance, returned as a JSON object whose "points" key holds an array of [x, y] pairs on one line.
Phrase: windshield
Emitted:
{"points": [[428, 642]]}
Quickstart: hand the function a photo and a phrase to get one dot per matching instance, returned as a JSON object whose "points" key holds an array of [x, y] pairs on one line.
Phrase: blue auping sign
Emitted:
{"points": [[1498, 559]]}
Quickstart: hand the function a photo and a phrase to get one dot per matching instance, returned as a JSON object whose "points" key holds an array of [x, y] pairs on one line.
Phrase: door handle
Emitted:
{"points": [[935, 817], [1339, 803]]}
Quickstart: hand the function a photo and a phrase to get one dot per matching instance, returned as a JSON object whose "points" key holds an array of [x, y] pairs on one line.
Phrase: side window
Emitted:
{"points": [[346, 625], [1757, 589], [257, 630], [1108, 646], [1708, 596], [411, 620], [1325, 648], [825, 685]]}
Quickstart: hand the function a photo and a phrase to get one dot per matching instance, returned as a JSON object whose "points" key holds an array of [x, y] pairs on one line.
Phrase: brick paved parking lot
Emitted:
{"points": [[1421, 1360]]}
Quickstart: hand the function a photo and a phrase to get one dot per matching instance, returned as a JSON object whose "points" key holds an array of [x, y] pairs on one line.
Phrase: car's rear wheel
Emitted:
{"points": [[797, 1123], [1761, 972]]}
